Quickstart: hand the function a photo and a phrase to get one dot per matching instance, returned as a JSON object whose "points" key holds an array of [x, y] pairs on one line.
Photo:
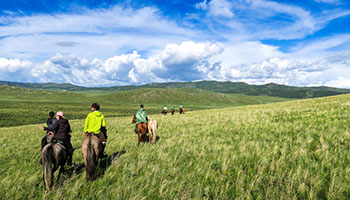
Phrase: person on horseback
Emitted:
{"points": [[61, 133], [95, 123], [165, 110], [140, 116], [181, 109], [50, 122], [172, 109]]}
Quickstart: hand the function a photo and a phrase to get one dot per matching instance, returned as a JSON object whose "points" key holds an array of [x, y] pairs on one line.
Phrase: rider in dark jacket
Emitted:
{"points": [[62, 132]]}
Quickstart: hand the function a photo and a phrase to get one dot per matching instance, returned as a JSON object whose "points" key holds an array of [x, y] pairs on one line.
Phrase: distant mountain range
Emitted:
{"points": [[214, 86]]}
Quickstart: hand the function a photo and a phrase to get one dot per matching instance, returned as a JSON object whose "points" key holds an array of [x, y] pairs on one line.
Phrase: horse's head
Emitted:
{"points": [[133, 119]]}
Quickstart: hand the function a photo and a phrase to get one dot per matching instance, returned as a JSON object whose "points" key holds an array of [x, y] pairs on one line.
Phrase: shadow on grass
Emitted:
{"points": [[106, 162], [79, 168], [147, 139]]}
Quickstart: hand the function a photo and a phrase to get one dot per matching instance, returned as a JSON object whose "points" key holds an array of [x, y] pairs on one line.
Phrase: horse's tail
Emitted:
{"points": [[91, 172], [47, 161]]}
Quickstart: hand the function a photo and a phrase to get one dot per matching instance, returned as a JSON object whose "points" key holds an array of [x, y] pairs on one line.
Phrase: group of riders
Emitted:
{"points": [[95, 124], [172, 109]]}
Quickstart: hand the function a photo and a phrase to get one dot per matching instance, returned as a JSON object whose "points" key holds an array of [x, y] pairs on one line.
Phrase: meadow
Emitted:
{"points": [[289, 150], [20, 106]]}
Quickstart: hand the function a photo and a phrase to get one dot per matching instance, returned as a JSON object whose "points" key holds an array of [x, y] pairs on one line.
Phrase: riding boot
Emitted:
{"points": [[103, 153], [70, 156]]}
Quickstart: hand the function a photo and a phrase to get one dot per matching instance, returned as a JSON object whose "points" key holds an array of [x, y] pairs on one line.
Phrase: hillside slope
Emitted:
{"points": [[289, 150], [19, 106], [214, 86]]}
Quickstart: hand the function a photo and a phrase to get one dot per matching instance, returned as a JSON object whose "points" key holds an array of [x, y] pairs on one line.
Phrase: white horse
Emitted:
{"points": [[152, 130]]}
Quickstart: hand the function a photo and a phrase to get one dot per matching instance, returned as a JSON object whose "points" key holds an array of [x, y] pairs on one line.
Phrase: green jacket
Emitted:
{"points": [[141, 116], [172, 107], [94, 121], [181, 106]]}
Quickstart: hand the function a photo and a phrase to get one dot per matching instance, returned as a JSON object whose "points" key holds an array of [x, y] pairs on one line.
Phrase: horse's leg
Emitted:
{"points": [[139, 138], [150, 135], [60, 172]]}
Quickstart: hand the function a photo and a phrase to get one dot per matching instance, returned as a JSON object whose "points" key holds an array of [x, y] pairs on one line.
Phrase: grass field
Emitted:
{"points": [[19, 106], [289, 150]]}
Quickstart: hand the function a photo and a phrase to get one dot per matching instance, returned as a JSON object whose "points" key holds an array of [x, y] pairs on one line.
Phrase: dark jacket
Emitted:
{"points": [[61, 128]]}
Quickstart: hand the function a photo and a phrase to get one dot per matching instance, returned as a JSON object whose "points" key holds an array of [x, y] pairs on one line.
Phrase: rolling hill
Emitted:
{"points": [[19, 106], [214, 86]]}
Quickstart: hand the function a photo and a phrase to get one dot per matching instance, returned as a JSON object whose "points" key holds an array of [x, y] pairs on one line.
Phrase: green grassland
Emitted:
{"points": [[289, 150], [19, 106], [270, 89]]}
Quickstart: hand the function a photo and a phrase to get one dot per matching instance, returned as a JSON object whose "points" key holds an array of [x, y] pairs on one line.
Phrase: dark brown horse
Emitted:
{"points": [[91, 148], [142, 130], [53, 156]]}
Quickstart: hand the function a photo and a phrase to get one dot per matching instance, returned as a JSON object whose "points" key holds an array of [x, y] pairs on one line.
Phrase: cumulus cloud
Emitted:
{"points": [[118, 70], [186, 61]]}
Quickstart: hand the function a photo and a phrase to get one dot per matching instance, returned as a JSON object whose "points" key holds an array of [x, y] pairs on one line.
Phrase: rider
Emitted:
{"points": [[181, 109], [165, 110], [50, 122], [141, 116], [60, 131], [95, 123], [172, 109]]}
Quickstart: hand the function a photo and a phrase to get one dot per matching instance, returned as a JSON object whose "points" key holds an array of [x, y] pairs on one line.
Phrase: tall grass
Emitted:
{"points": [[290, 150]]}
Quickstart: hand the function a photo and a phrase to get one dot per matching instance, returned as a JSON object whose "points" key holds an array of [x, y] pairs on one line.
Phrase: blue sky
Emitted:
{"points": [[106, 43]]}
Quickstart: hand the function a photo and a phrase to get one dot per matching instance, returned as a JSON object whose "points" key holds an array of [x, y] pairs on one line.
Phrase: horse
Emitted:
{"points": [[91, 148], [142, 131], [182, 110], [52, 154], [152, 130]]}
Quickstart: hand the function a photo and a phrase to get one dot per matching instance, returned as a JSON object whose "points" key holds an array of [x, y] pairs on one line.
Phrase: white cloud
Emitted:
{"points": [[99, 33], [264, 19], [142, 46], [220, 8], [123, 69], [198, 61]]}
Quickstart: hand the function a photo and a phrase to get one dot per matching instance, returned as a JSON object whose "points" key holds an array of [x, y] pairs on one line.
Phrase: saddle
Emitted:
{"points": [[53, 140], [92, 134]]}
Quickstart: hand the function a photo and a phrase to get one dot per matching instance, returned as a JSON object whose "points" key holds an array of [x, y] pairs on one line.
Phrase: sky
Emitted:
{"points": [[112, 42]]}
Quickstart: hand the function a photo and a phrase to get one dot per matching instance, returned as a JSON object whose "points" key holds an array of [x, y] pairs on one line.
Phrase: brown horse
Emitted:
{"points": [[53, 154], [182, 110], [142, 131], [91, 148]]}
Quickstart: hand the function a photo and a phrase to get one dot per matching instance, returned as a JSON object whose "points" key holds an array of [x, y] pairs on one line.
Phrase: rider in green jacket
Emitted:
{"points": [[141, 116]]}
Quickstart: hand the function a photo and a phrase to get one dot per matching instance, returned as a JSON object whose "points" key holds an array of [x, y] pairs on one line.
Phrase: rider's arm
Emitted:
{"points": [[69, 128], [86, 124], [104, 122]]}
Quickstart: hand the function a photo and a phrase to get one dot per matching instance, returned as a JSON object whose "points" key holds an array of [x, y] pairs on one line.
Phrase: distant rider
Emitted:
{"points": [[61, 132], [181, 109], [140, 116], [165, 110], [95, 123], [172, 109]]}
